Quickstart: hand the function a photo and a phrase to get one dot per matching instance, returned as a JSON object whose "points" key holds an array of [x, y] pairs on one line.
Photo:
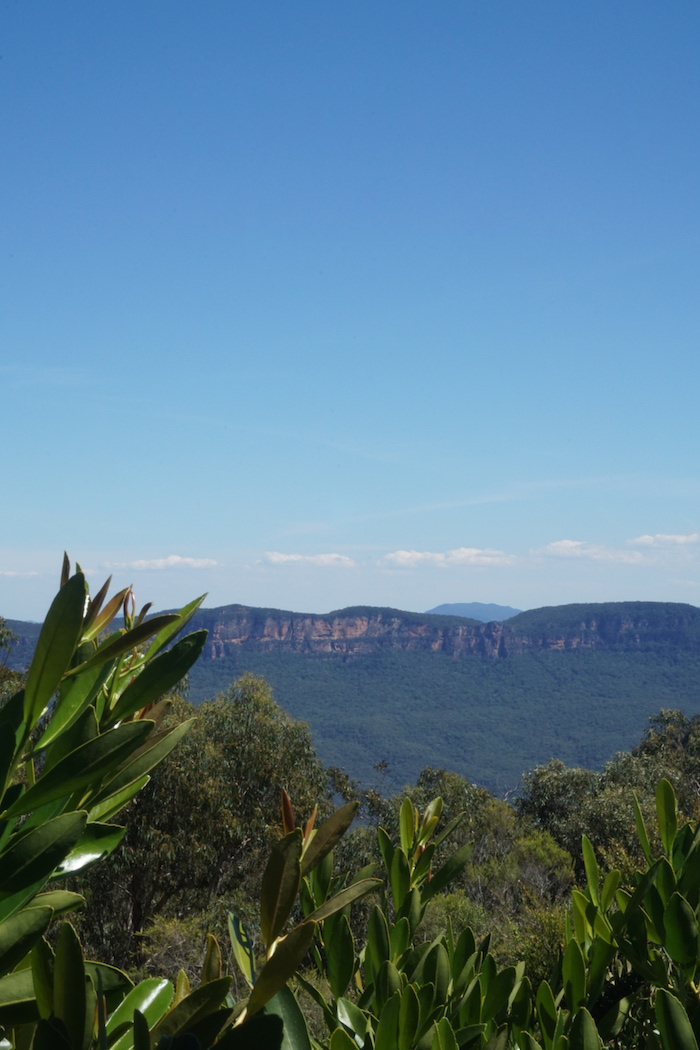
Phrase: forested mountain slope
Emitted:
{"points": [[486, 700]]}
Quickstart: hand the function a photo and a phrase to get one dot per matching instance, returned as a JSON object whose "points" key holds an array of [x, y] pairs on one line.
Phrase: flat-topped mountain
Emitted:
{"points": [[487, 700], [362, 630]]}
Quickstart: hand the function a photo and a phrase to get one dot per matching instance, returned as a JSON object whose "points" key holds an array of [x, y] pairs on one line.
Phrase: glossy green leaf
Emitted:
{"points": [[84, 766], [448, 872], [386, 848], [19, 934], [55, 646], [151, 997], [112, 804], [680, 924], [592, 871], [17, 1001], [169, 631], [498, 993], [642, 833], [527, 1042], [340, 1040], [124, 642], [409, 1018], [212, 966], [675, 1028], [158, 676], [584, 1034], [188, 1011], [429, 820], [340, 957], [353, 1018], [76, 695], [327, 835], [343, 897], [242, 948], [281, 966], [70, 989], [285, 1006], [97, 841], [377, 949], [546, 1014], [386, 1036], [436, 971], [667, 813], [444, 1037], [33, 856], [60, 901], [607, 894], [142, 761], [574, 976], [399, 878], [407, 826], [280, 885]]}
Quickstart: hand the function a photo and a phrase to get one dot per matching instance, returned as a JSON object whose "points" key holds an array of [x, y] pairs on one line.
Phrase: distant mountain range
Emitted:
{"points": [[485, 699], [476, 611]]}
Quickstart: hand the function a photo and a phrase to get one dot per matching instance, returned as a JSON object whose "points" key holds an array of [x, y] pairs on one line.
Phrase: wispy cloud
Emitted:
{"points": [[590, 551], [662, 539], [173, 561], [333, 560], [447, 559], [11, 572]]}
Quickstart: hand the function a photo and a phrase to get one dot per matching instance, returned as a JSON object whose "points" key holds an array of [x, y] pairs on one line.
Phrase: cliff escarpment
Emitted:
{"points": [[361, 631]]}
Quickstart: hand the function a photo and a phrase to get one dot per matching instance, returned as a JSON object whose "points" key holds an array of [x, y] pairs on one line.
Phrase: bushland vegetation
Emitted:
{"points": [[233, 905]]}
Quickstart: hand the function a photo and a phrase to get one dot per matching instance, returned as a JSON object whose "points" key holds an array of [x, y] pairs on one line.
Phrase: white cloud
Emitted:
{"points": [[590, 551], [173, 561], [662, 539], [336, 560], [10, 572], [458, 556]]}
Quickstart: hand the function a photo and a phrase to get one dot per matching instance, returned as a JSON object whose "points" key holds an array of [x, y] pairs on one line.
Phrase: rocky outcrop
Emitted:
{"points": [[352, 632]]}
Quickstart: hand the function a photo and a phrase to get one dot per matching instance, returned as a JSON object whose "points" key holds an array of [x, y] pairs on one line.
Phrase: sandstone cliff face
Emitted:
{"points": [[350, 633]]}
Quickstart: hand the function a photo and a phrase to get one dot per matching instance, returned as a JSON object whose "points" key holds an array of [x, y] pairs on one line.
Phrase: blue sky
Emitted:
{"points": [[317, 304]]}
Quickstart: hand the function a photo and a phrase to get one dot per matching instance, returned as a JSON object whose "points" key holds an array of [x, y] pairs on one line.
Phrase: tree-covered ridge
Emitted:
{"points": [[619, 624], [488, 719]]}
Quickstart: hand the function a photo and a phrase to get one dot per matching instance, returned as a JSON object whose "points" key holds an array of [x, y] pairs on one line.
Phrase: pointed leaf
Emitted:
{"points": [[171, 630], [159, 676], [34, 856], [124, 642], [407, 823], [284, 1005], [55, 646], [448, 872], [280, 885], [84, 766], [667, 813], [592, 871], [281, 966], [681, 928], [584, 1034], [19, 934], [195, 1006], [211, 969], [151, 998], [328, 835], [674, 1026], [242, 948], [96, 842], [70, 998]]}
